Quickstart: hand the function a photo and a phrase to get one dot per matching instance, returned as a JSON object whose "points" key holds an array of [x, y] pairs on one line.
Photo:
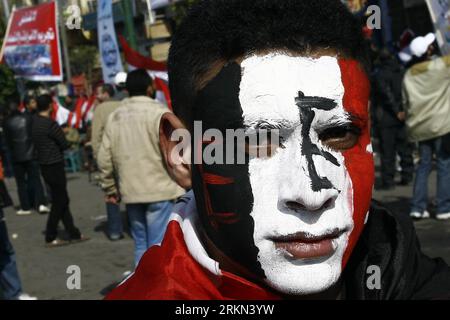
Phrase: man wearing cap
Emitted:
{"points": [[427, 104], [121, 92]]}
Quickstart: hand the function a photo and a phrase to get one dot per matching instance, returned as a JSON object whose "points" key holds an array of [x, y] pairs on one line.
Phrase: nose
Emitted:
{"points": [[310, 201]]}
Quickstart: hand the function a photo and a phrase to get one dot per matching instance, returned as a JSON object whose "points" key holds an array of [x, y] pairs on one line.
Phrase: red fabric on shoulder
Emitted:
{"points": [[169, 272]]}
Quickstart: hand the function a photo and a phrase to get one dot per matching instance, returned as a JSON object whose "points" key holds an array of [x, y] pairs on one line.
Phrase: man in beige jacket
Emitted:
{"points": [[105, 94], [427, 104], [131, 164]]}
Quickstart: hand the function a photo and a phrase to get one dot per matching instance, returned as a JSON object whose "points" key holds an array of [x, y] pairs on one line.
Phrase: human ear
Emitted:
{"points": [[174, 141]]}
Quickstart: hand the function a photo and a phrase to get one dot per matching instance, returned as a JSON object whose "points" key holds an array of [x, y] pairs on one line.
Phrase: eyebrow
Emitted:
{"points": [[336, 120], [269, 124]]}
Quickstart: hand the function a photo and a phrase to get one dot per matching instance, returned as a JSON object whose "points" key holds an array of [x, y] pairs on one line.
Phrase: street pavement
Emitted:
{"points": [[102, 263]]}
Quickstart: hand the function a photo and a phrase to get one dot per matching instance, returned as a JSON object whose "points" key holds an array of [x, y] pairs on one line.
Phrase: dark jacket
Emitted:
{"points": [[49, 140], [389, 241], [17, 130], [387, 93]]}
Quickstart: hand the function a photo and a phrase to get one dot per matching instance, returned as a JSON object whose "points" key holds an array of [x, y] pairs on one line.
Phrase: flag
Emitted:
{"points": [[156, 69], [83, 112]]}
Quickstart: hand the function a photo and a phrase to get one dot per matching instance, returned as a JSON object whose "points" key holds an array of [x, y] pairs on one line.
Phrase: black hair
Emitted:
{"points": [[138, 82], [28, 99], [217, 31], [44, 102], [108, 89], [11, 105]]}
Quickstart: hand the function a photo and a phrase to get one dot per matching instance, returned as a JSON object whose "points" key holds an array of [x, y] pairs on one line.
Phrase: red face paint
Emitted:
{"points": [[358, 160]]}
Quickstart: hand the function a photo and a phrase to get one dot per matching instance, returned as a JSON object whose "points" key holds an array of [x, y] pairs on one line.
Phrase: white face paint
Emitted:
{"points": [[268, 90]]}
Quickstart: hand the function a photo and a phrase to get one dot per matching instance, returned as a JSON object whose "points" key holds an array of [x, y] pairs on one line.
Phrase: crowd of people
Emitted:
{"points": [[37, 144], [410, 107], [232, 231]]}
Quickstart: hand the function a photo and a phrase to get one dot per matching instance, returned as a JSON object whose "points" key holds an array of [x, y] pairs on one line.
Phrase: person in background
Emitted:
{"points": [[17, 129], [50, 143], [106, 106], [426, 97], [131, 164], [121, 90], [72, 136], [10, 284], [390, 120]]}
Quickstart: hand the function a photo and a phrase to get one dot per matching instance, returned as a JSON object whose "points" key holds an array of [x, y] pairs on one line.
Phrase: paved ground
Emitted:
{"points": [[43, 270], [103, 263]]}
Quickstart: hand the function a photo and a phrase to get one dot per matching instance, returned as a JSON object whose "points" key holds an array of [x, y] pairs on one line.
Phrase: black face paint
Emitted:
{"points": [[309, 149], [223, 191]]}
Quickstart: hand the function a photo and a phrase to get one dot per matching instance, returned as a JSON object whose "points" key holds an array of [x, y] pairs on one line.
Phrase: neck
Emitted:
{"points": [[45, 114]]}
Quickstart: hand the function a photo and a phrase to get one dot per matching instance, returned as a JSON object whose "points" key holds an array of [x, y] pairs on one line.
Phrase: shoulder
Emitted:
{"points": [[389, 241], [167, 272]]}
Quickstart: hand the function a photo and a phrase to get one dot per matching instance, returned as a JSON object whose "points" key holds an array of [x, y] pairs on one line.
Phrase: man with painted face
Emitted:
{"points": [[294, 219]]}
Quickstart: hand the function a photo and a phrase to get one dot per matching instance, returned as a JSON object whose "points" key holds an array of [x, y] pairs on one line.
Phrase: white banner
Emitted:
{"points": [[107, 41], [440, 14]]}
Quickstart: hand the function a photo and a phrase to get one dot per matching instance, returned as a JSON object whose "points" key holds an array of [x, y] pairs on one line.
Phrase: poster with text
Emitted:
{"points": [[31, 46], [107, 42]]}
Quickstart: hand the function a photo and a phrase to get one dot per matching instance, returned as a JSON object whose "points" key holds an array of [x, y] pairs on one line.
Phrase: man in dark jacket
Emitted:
{"points": [[50, 144], [288, 218], [389, 118], [17, 129]]}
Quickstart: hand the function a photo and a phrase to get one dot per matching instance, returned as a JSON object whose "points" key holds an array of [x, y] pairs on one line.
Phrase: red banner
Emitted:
{"points": [[31, 47]]}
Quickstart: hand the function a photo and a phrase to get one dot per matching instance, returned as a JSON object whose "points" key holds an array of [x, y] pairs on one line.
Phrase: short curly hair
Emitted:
{"points": [[217, 31]]}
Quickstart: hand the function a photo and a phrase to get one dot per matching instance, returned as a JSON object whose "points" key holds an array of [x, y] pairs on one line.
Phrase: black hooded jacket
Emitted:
{"points": [[17, 130], [390, 243], [387, 93]]}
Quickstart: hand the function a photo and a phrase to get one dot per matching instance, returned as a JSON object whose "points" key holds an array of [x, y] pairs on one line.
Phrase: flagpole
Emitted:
{"points": [[64, 42]]}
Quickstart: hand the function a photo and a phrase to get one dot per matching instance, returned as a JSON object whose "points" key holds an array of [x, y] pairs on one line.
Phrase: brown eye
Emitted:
{"points": [[340, 138], [263, 144]]}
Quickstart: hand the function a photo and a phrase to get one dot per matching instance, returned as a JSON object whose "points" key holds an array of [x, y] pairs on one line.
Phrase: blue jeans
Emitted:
{"points": [[115, 227], [420, 197], [148, 222], [10, 285]]}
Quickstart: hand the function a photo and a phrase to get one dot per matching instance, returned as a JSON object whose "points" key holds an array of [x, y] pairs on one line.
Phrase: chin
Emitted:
{"points": [[301, 277]]}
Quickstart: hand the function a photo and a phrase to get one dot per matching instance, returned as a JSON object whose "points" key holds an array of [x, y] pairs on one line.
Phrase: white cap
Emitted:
{"points": [[120, 79], [419, 45]]}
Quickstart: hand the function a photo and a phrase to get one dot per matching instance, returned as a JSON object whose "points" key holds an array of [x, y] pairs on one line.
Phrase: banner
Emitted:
{"points": [[107, 42], [440, 14], [31, 47]]}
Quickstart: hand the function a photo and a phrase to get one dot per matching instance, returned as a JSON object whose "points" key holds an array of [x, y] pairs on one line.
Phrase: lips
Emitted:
{"points": [[306, 246]]}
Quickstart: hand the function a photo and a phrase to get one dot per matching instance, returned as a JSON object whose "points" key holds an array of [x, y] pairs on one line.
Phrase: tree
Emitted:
{"points": [[83, 59]]}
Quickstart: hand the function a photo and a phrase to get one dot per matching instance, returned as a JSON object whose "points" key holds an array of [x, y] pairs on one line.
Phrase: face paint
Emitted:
{"points": [[358, 160], [306, 105], [223, 192], [305, 97]]}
